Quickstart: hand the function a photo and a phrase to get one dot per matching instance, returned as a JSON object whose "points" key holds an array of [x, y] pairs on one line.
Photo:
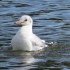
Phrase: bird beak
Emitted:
{"points": [[18, 22]]}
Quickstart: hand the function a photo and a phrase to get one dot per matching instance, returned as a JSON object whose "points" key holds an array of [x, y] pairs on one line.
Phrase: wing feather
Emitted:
{"points": [[37, 41]]}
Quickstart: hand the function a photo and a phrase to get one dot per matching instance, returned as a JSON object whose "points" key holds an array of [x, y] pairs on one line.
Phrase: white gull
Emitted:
{"points": [[25, 39]]}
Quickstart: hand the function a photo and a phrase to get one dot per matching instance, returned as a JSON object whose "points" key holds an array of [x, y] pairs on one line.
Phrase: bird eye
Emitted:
{"points": [[25, 20]]}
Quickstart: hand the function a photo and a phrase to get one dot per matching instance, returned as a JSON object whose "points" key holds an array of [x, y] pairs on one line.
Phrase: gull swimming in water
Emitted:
{"points": [[25, 39]]}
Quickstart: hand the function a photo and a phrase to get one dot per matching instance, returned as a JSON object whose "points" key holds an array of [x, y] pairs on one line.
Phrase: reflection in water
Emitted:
{"points": [[23, 60]]}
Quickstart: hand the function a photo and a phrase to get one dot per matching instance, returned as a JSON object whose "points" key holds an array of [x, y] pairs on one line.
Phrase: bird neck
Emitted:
{"points": [[26, 30]]}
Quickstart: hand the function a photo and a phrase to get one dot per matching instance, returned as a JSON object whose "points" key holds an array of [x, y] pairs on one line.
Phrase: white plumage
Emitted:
{"points": [[25, 39]]}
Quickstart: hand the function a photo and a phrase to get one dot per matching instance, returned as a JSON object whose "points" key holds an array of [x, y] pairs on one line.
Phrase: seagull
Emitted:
{"points": [[25, 39]]}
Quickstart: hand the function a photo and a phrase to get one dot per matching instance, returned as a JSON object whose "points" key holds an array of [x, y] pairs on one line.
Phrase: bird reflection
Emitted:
{"points": [[28, 58], [22, 61]]}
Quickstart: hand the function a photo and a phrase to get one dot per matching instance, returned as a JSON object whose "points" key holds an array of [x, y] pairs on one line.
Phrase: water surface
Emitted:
{"points": [[51, 22]]}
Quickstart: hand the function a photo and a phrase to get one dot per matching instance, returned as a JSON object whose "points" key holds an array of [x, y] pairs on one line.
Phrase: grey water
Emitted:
{"points": [[51, 22]]}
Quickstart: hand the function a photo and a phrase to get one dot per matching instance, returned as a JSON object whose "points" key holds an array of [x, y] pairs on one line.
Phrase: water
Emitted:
{"points": [[51, 22]]}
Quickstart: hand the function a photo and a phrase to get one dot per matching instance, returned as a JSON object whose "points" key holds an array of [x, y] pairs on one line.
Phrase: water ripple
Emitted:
{"points": [[51, 22]]}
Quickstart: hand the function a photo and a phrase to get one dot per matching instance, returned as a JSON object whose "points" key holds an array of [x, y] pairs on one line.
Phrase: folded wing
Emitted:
{"points": [[36, 41]]}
